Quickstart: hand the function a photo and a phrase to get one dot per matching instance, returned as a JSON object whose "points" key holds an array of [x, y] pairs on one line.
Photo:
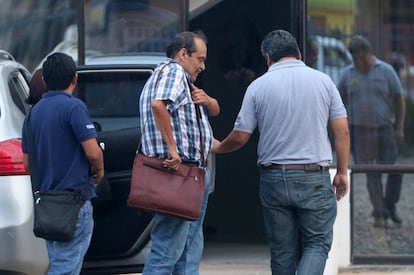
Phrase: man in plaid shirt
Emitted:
{"points": [[170, 131]]}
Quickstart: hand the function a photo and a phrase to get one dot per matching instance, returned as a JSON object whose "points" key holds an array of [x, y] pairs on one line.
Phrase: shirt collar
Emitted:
{"points": [[55, 93], [286, 64]]}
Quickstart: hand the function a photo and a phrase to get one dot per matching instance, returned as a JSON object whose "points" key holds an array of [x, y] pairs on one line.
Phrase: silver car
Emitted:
{"points": [[120, 241], [20, 251], [333, 57], [110, 86]]}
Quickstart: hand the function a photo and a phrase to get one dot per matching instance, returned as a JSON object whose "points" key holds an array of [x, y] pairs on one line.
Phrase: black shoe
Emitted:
{"points": [[395, 217]]}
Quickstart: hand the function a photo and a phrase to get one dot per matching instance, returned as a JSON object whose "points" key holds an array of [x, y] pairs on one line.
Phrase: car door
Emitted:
{"points": [[111, 96]]}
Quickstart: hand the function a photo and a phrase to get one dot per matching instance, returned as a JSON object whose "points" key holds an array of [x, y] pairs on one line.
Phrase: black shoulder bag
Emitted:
{"points": [[55, 211]]}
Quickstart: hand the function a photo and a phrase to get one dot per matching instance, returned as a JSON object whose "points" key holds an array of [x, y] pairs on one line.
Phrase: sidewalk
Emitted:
{"points": [[260, 269], [377, 270], [235, 259], [253, 259]]}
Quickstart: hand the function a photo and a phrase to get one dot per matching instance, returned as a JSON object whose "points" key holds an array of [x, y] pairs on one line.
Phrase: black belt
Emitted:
{"points": [[192, 163], [313, 167]]}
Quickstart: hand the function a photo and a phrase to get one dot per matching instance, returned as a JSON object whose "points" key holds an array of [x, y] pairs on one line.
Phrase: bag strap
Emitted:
{"points": [[198, 114], [32, 152], [32, 158], [155, 86]]}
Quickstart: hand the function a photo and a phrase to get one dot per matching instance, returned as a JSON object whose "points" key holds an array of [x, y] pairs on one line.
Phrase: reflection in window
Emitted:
{"points": [[130, 26], [335, 57], [112, 98], [388, 25]]}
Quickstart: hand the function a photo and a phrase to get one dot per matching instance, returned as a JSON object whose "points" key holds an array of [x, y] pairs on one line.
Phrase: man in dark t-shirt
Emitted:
{"points": [[67, 155]]}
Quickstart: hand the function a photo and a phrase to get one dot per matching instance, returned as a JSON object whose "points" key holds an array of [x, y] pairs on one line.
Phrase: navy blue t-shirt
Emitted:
{"points": [[60, 122]]}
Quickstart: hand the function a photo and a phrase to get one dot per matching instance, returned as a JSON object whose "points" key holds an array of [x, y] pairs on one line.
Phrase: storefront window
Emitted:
{"points": [[381, 120], [32, 29]]}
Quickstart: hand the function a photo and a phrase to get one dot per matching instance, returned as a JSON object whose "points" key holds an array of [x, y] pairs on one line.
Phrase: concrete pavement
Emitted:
{"points": [[253, 259], [235, 259], [222, 258]]}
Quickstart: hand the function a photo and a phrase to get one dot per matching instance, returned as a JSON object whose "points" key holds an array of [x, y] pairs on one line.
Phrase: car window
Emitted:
{"points": [[112, 97], [19, 88], [335, 57]]}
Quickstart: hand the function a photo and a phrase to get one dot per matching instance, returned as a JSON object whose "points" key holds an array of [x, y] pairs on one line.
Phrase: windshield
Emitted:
{"points": [[31, 29]]}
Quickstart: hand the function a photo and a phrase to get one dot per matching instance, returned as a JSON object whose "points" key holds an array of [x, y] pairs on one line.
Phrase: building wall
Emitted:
{"points": [[330, 18]]}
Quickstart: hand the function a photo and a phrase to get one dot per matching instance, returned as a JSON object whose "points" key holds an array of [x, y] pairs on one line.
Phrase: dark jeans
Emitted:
{"points": [[377, 145], [298, 205]]}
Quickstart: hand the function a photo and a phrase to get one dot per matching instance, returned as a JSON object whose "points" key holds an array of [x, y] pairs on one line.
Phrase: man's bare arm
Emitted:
{"points": [[399, 118], [95, 156], [234, 141], [163, 121], [342, 149]]}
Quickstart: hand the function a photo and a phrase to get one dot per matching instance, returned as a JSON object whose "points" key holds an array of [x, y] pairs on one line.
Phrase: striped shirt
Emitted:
{"points": [[169, 83]]}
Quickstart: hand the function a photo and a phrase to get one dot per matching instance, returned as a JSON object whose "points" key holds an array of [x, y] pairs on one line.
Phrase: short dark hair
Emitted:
{"points": [[359, 43], [37, 87], [278, 44], [58, 71], [184, 40]]}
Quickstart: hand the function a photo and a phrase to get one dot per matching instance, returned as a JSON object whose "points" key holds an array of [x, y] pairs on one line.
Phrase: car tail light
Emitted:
{"points": [[11, 158]]}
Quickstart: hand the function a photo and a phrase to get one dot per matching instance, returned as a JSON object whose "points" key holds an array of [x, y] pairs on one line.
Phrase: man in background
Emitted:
{"points": [[375, 100], [37, 87], [312, 51]]}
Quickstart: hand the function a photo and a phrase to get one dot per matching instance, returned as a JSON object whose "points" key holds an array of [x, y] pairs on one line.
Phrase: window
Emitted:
{"points": [[112, 97], [19, 91], [387, 177]]}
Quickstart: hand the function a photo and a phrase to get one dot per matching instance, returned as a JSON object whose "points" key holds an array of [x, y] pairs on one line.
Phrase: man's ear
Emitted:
{"points": [[75, 79], [268, 60], [182, 53], [300, 55]]}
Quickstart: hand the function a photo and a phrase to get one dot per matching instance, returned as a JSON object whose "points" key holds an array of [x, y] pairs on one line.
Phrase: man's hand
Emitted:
{"points": [[97, 175], [340, 185], [174, 161], [399, 136], [200, 97], [216, 143]]}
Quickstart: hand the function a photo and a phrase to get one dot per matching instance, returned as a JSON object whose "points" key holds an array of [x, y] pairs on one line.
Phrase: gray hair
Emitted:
{"points": [[184, 40], [278, 44]]}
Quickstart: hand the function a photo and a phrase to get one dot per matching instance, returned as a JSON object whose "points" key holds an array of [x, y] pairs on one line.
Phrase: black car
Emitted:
{"points": [[110, 86]]}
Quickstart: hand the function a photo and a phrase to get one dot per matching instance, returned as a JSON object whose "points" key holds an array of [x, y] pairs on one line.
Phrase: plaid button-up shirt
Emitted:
{"points": [[169, 83]]}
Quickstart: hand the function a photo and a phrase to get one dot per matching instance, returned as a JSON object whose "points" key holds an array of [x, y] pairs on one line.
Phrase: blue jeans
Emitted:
{"points": [[67, 257], [377, 145], [177, 245], [299, 208]]}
